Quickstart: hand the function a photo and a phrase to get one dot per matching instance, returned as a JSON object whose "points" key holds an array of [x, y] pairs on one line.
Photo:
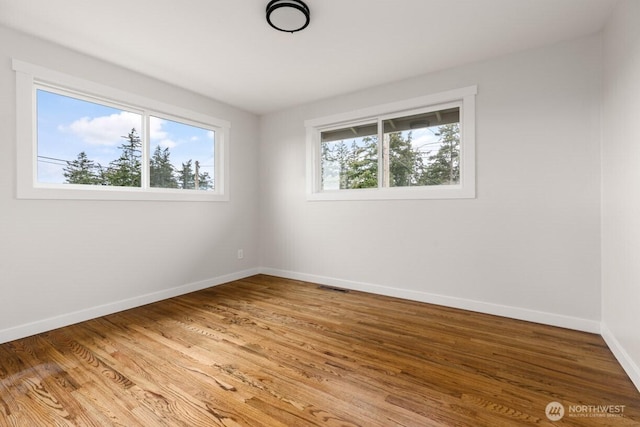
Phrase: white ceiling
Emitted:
{"points": [[225, 49]]}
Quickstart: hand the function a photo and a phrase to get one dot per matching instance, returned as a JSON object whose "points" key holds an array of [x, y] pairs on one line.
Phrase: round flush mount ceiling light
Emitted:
{"points": [[288, 15]]}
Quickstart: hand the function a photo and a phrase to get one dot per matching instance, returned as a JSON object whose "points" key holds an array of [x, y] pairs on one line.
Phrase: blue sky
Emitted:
{"points": [[67, 126]]}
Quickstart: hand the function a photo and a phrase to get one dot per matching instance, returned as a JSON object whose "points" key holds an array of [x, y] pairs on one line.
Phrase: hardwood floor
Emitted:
{"points": [[265, 351]]}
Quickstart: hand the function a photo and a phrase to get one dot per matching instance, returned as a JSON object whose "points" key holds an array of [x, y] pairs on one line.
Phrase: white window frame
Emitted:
{"points": [[466, 189], [31, 77]]}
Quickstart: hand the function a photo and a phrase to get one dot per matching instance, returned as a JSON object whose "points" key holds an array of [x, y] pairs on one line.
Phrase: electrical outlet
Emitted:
{"points": [[240, 254]]}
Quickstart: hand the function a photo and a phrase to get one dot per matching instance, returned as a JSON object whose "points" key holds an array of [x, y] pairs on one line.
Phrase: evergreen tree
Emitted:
{"points": [[126, 170], [405, 162], [357, 166], [82, 171], [161, 171], [336, 162], [205, 181], [362, 169], [444, 166], [186, 176]]}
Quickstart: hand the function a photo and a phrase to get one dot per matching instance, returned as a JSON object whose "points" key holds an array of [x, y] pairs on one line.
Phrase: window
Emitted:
{"points": [[81, 140], [421, 148]]}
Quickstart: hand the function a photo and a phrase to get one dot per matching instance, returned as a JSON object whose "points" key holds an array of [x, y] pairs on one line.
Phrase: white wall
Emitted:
{"points": [[528, 246], [621, 187], [64, 261]]}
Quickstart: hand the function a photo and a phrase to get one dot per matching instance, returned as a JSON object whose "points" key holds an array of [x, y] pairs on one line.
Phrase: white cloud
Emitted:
{"points": [[167, 143], [424, 140], [105, 130], [155, 128]]}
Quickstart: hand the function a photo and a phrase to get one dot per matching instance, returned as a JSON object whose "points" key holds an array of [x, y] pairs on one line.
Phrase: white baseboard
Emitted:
{"points": [[576, 323], [48, 324], [627, 363]]}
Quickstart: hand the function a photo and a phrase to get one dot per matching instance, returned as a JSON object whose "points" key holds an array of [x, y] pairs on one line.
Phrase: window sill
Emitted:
{"points": [[78, 192], [408, 193]]}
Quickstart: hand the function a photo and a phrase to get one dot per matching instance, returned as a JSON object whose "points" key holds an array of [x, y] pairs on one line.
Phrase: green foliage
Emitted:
{"points": [[335, 161], [161, 171], [407, 165], [356, 166], [187, 177], [363, 165], [205, 181], [126, 170], [444, 166], [83, 171]]}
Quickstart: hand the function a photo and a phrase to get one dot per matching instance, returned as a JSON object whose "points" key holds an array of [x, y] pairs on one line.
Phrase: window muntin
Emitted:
{"points": [[33, 181], [425, 149]]}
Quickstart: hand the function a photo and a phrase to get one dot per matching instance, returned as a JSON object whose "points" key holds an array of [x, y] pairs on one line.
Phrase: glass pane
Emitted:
{"points": [[350, 158], [422, 149], [81, 142], [182, 155]]}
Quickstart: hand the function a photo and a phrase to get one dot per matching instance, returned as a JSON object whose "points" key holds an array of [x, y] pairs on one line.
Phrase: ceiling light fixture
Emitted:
{"points": [[288, 15]]}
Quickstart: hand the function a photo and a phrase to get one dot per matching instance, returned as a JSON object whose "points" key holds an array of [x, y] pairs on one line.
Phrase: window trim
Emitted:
{"points": [[465, 97], [31, 77]]}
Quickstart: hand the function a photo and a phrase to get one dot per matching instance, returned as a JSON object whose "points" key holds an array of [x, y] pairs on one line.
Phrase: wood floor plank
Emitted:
{"points": [[265, 351]]}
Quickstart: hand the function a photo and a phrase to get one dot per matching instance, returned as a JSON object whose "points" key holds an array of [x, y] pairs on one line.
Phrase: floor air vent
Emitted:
{"points": [[331, 288]]}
